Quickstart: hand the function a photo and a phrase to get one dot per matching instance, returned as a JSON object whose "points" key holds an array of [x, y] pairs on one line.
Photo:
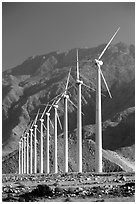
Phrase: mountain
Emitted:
{"points": [[29, 86]]}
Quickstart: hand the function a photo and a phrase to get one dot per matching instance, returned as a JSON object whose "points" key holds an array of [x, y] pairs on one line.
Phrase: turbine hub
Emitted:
{"points": [[66, 96], [41, 119], [35, 126], [79, 82], [48, 114], [56, 106], [98, 62]]}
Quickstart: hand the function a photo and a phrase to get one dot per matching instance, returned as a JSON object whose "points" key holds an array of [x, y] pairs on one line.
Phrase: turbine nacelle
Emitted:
{"points": [[55, 106], [79, 82], [66, 96], [98, 62], [48, 114], [41, 119]]}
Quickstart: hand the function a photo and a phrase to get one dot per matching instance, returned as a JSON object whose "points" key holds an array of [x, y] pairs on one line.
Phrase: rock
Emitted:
{"points": [[68, 199], [59, 191], [71, 190], [42, 190]]}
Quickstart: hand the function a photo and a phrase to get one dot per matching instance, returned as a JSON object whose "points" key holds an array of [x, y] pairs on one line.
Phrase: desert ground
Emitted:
{"points": [[69, 187]]}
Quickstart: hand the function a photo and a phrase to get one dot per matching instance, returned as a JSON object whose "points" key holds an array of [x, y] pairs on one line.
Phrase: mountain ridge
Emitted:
{"points": [[29, 86]]}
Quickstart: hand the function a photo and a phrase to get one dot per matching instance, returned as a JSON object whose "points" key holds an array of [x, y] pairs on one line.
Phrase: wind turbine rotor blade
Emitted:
{"points": [[38, 130], [36, 116], [32, 124], [89, 87], [49, 109], [74, 105], [27, 129], [51, 106], [53, 99], [77, 66], [105, 81], [44, 111], [60, 98], [108, 44], [59, 121], [51, 124], [68, 80]]}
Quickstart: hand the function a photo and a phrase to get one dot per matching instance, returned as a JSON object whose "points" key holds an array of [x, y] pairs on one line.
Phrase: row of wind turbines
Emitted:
{"points": [[28, 143]]}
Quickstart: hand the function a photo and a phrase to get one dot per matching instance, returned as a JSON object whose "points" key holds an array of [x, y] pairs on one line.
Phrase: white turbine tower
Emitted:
{"points": [[79, 120], [98, 149], [31, 150], [55, 139], [66, 98], [47, 144], [19, 157], [27, 152], [22, 153]]}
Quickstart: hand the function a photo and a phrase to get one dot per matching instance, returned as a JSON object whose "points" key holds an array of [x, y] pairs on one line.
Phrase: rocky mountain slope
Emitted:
{"points": [[29, 86]]}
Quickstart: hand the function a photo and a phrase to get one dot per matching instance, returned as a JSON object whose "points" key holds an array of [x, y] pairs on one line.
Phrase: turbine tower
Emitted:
{"points": [[55, 139], [27, 153], [27, 148], [31, 151], [47, 144], [19, 157], [22, 153], [98, 140], [79, 120], [66, 97], [41, 146]]}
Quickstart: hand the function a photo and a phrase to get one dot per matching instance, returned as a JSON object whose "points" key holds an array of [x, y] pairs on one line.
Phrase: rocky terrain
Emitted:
{"points": [[29, 86], [69, 187]]}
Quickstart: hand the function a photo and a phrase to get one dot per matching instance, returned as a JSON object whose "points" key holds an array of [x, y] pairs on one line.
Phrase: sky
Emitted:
{"points": [[34, 28]]}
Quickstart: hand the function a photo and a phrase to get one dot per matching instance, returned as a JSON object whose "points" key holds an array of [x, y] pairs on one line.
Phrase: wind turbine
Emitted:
{"points": [[66, 98], [35, 143], [27, 146], [56, 117], [79, 120], [98, 148], [79, 116], [47, 138]]}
